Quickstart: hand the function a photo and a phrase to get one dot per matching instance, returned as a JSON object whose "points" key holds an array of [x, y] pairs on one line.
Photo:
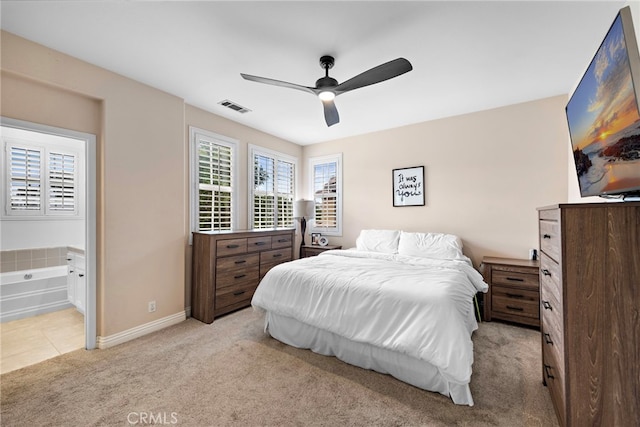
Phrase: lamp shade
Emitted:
{"points": [[303, 209]]}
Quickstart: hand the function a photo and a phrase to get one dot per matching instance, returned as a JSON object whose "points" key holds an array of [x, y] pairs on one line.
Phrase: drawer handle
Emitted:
{"points": [[260, 243], [68, 259], [547, 339], [283, 240], [515, 279], [514, 295], [546, 305], [70, 271], [546, 272], [239, 276], [546, 236], [241, 261], [81, 275], [547, 369], [232, 246], [237, 294], [277, 255], [515, 308]]}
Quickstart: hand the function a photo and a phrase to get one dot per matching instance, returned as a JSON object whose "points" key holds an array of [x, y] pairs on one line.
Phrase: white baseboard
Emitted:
{"points": [[139, 331]]}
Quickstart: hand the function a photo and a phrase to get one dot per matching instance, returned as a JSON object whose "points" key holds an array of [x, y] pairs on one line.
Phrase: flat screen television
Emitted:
{"points": [[604, 116]]}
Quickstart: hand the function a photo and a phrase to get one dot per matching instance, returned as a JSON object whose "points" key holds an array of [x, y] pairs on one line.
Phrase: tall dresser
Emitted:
{"points": [[590, 312], [227, 267]]}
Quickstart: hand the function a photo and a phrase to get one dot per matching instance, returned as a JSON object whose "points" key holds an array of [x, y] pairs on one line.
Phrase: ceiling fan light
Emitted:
{"points": [[326, 95]]}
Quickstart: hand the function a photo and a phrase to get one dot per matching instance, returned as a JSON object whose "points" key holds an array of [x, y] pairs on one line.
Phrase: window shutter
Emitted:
{"points": [[273, 190], [25, 179], [326, 194], [264, 214], [214, 186], [62, 192], [286, 190]]}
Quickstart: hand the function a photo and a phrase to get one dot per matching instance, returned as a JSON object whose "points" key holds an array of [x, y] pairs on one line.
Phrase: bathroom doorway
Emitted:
{"points": [[48, 223]]}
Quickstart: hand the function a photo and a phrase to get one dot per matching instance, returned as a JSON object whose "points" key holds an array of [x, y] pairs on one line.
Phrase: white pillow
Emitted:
{"points": [[430, 245], [383, 241]]}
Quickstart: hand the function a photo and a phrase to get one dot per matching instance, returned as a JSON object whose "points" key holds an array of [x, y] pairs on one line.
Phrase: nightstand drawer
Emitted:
{"points": [[527, 306], [515, 278]]}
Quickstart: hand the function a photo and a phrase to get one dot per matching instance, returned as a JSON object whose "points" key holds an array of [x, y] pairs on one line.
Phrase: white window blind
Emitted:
{"points": [[214, 186], [273, 190], [40, 181], [25, 176], [326, 181], [62, 172], [212, 181]]}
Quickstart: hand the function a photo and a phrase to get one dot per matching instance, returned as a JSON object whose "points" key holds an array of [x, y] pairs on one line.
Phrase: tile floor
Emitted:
{"points": [[32, 340]]}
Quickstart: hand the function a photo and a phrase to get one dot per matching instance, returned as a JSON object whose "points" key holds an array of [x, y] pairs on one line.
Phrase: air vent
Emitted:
{"points": [[234, 106]]}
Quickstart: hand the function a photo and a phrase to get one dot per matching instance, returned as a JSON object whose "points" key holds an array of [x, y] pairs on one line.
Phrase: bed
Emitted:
{"points": [[398, 303]]}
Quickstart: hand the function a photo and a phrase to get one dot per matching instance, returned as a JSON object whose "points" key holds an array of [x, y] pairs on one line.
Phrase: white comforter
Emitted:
{"points": [[415, 306]]}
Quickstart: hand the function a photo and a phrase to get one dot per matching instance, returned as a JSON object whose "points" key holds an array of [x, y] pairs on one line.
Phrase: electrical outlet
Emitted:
{"points": [[152, 306]]}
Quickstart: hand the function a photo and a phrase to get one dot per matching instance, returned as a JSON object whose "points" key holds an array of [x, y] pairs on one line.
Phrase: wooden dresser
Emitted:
{"points": [[227, 267], [590, 310], [513, 290]]}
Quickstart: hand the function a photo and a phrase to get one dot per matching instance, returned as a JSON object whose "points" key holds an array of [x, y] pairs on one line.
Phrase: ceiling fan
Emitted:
{"points": [[327, 88]]}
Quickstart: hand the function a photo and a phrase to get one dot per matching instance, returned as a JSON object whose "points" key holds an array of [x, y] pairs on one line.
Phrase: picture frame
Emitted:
{"points": [[408, 186], [315, 237]]}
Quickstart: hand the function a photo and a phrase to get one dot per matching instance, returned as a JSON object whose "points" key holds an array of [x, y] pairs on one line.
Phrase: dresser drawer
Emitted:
{"points": [[227, 265], [238, 277], [550, 238], [281, 241], [555, 382], [515, 278], [275, 256], [255, 244], [515, 302], [552, 337], [551, 277], [234, 295], [231, 247]]}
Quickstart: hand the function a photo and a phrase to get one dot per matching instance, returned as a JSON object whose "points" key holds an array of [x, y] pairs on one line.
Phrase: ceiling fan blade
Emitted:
{"points": [[377, 74], [330, 113], [278, 83]]}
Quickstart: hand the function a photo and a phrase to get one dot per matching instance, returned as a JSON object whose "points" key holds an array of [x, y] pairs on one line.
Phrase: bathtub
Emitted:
{"points": [[28, 293]]}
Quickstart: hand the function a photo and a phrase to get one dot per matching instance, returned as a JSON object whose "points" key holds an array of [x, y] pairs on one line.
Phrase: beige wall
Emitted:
{"points": [[485, 175], [142, 172]]}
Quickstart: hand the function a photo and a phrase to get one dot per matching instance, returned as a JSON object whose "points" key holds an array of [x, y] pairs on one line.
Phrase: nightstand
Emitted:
{"points": [[313, 250], [514, 290]]}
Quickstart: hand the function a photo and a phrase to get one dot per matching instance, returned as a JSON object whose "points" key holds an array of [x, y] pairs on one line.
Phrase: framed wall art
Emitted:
{"points": [[408, 186]]}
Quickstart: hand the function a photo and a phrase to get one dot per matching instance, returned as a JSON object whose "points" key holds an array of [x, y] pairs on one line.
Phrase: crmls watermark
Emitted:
{"points": [[152, 418]]}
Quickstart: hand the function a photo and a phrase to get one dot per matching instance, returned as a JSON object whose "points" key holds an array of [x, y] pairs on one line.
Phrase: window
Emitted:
{"points": [[326, 187], [212, 181], [271, 196], [41, 181]]}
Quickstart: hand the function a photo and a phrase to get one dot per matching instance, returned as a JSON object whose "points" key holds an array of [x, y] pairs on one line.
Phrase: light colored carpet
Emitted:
{"points": [[230, 373]]}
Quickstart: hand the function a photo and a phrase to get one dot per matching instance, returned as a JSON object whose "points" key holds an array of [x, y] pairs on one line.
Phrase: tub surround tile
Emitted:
{"points": [[25, 259]]}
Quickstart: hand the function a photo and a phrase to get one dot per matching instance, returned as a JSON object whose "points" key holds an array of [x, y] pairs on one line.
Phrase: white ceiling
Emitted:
{"points": [[466, 56]]}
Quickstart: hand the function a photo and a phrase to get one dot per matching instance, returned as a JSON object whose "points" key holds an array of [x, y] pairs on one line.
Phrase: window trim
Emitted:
{"points": [[195, 136], [252, 151], [313, 161]]}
